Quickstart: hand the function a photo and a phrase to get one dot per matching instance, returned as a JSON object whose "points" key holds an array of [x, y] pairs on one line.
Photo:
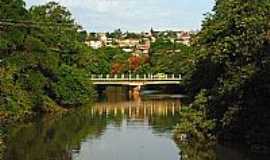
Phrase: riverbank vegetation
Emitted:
{"points": [[45, 67], [41, 60], [40, 57], [231, 68]]}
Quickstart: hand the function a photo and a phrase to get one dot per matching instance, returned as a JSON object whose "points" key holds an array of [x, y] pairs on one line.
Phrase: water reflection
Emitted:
{"points": [[138, 109], [134, 130], [114, 129], [52, 138]]}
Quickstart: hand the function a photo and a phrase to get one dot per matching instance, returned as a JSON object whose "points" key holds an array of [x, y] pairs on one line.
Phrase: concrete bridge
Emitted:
{"points": [[136, 80]]}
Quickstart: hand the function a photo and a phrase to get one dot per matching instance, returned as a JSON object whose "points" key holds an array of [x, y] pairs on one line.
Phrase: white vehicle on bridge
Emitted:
{"points": [[160, 76]]}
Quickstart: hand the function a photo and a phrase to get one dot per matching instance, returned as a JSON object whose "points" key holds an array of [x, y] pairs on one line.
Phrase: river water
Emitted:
{"points": [[114, 128]]}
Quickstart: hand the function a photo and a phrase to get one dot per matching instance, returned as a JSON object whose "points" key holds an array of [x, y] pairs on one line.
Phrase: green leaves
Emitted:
{"points": [[194, 121], [232, 65], [168, 57], [41, 51], [194, 124], [12, 9], [14, 101], [73, 87]]}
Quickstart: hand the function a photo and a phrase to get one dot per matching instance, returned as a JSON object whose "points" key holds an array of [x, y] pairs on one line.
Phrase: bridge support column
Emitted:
{"points": [[134, 92]]}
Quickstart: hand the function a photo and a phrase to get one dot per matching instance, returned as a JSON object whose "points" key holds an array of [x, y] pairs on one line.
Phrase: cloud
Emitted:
{"points": [[135, 15], [101, 6]]}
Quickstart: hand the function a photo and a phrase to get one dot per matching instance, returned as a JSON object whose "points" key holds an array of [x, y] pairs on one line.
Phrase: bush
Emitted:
{"points": [[194, 123], [14, 101], [49, 106], [73, 87]]}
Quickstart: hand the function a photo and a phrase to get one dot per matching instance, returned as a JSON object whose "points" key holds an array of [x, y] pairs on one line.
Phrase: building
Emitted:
{"points": [[127, 50], [183, 37], [128, 43], [137, 42], [109, 42], [102, 37], [94, 44], [145, 47]]}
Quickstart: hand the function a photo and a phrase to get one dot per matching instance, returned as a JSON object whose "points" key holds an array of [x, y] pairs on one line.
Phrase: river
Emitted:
{"points": [[114, 128]]}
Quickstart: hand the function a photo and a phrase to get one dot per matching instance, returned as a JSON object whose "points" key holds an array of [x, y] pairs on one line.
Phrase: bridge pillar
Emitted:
{"points": [[134, 91]]}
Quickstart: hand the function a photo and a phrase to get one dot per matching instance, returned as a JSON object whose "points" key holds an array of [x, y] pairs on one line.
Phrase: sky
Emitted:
{"points": [[135, 15]]}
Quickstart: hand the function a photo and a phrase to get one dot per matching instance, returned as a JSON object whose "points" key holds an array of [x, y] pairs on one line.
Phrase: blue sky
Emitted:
{"points": [[136, 15]]}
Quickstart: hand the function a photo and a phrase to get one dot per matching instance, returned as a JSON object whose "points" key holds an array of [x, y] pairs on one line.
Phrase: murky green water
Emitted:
{"points": [[113, 129]]}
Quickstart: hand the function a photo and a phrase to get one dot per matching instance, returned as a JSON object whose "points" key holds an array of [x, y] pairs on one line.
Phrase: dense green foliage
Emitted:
{"points": [[201, 150], [232, 65], [170, 57], [72, 87], [41, 67], [194, 123], [107, 57]]}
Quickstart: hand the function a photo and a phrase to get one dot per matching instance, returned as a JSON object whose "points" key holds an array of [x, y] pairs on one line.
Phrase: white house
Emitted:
{"points": [[94, 44]]}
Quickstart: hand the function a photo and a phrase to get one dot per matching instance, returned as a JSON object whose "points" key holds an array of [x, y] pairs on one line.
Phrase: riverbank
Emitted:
{"points": [[41, 70], [196, 125]]}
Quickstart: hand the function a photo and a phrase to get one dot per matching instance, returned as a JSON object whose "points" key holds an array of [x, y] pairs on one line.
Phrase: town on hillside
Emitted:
{"points": [[138, 43]]}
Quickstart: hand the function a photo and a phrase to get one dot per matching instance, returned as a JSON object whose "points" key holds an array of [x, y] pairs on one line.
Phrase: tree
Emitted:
{"points": [[232, 55], [73, 87], [11, 36], [40, 47], [116, 34], [169, 57]]}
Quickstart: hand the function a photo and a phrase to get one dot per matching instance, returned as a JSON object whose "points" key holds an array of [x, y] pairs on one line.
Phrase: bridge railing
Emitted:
{"points": [[134, 77]]}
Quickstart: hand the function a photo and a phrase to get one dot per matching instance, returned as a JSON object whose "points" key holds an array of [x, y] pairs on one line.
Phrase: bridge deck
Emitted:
{"points": [[135, 79]]}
